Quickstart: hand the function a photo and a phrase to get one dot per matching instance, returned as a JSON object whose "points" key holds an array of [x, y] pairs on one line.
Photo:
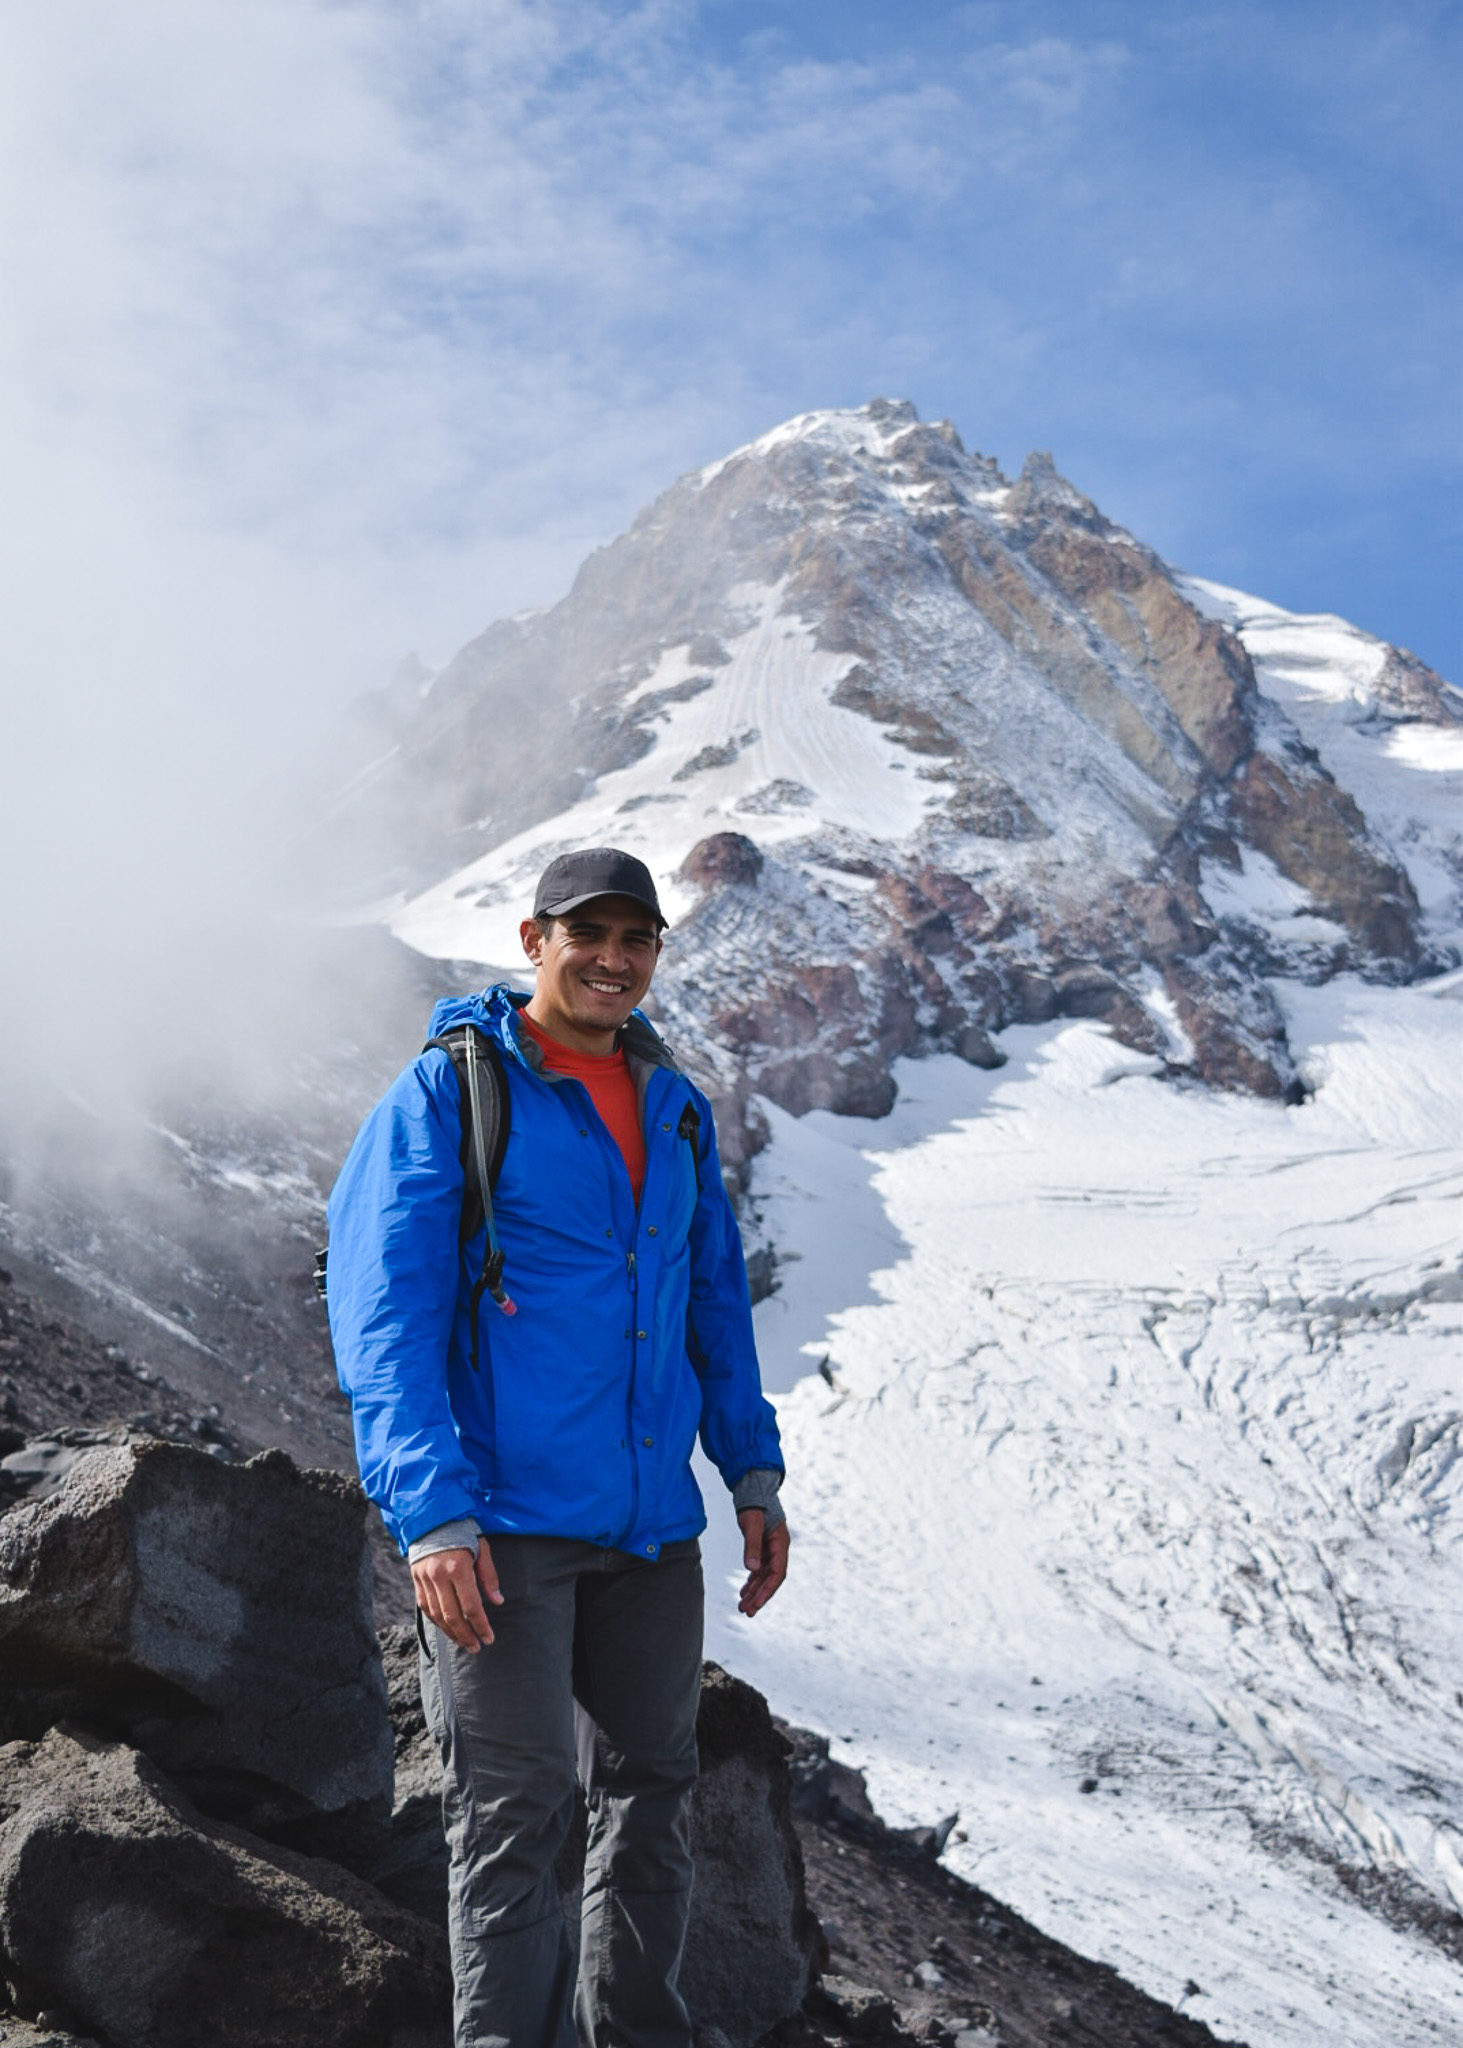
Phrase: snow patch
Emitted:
{"points": [[851, 431], [764, 739], [1260, 895], [1407, 778]]}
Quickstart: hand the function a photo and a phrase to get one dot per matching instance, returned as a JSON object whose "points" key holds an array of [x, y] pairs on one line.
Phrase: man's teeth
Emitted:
{"points": [[610, 988]]}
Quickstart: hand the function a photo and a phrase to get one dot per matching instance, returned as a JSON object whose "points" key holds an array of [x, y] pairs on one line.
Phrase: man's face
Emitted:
{"points": [[593, 968]]}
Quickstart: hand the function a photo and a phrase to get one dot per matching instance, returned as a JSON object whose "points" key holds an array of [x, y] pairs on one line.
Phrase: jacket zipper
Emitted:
{"points": [[630, 1273]]}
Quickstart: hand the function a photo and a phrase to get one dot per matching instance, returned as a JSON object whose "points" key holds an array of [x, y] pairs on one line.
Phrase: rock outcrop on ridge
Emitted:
{"points": [[927, 751]]}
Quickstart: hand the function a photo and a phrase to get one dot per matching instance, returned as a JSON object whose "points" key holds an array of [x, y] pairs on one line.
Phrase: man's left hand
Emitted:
{"points": [[764, 1552]]}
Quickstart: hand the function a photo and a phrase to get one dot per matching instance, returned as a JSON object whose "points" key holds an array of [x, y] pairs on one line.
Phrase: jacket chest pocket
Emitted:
{"points": [[673, 1194]]}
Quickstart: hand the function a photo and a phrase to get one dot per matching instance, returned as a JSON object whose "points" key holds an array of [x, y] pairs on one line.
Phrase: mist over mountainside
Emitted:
{"points": [[1030, 900]]}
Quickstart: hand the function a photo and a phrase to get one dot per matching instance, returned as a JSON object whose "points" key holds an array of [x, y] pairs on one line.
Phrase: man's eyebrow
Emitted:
{"points": [[591, 927]]}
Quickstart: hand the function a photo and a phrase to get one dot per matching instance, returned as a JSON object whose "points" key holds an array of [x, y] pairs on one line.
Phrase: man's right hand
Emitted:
{"points": [[451, 1587]]}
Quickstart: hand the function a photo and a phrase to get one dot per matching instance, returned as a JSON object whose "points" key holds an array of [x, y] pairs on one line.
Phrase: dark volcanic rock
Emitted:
{"points": [[752, 1944], [724, 857], [410, 1866], [118, 1899], [219, 1617], [919, 1956]]}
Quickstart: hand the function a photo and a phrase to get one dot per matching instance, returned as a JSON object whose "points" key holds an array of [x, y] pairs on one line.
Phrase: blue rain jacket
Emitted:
{"points": [[633, 1330]]}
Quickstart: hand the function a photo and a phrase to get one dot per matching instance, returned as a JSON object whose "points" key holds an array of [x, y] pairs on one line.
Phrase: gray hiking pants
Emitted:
{"points": [[595, 1671]]}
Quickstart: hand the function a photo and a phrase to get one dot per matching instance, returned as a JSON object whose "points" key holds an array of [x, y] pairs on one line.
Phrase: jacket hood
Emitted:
{"points": [[490, 1009]]}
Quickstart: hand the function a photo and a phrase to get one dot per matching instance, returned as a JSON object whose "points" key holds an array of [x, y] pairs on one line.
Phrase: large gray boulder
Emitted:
{"points": [[164, 1930], [218, 1617]]}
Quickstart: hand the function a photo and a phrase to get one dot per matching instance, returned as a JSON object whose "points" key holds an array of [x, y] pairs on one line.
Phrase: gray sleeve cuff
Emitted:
{"points": [[758, 1489], [462, 1534]]}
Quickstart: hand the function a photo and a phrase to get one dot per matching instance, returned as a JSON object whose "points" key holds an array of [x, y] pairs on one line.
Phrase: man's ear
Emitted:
{"points": [[533, 939]]}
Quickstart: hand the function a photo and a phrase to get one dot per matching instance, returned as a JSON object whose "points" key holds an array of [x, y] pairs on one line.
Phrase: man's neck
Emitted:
{"points": [[564, 1031]]}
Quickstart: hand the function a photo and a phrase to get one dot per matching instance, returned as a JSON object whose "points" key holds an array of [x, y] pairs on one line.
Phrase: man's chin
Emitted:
{"points": [[605, 1015]]}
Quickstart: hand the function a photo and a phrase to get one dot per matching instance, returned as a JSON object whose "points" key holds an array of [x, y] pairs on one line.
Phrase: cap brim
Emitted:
{"points": [[594, 896]]}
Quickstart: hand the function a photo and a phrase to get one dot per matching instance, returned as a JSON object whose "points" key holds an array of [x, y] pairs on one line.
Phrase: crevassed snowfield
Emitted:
{"points": [[1136, 1457], [1140, 1463]]}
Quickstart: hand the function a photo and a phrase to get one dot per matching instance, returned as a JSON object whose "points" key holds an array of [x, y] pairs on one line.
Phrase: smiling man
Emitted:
{"points": [[535, 1464]]}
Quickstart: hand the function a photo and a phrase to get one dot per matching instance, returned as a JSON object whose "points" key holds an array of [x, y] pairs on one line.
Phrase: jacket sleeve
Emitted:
{"points": [[392, 1284], [738, 1423]]}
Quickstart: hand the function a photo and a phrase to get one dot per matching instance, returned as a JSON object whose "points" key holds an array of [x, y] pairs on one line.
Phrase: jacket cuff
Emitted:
{"points": [[758, 1489], [462, 1534]]}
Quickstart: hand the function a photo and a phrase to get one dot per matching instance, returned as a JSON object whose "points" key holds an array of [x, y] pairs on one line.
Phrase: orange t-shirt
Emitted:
{"points": [[611, 1088]]}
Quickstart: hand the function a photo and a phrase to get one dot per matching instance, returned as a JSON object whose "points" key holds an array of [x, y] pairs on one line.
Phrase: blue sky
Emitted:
{"points": [[337, 328], [409, 304]]}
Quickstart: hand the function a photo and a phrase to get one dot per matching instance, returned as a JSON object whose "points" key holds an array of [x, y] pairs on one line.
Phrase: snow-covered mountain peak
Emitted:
{"points": [[864, 459], [918, 752], [855, 432]]}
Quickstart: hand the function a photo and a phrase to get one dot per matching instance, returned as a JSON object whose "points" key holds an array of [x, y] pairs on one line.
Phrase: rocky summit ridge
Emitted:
{"points": [[926, 752]]}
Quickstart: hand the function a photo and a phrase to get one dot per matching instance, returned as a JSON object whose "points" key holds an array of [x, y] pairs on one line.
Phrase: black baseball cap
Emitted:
{"points": [[575, 878]]}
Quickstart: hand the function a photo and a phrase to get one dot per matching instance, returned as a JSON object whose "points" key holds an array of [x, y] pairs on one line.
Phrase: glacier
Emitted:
{"points": [[1126, 1501], [1123, 1423]]}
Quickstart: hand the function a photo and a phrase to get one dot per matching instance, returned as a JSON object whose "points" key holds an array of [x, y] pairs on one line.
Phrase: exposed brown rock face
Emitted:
{"points": [[725, 857], [910, 724], [1202, 671], [1316, 836], [1408, 689], [1236, 1029]]}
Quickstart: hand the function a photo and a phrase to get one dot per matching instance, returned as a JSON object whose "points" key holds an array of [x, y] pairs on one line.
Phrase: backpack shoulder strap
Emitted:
{"points": [[486, 1113]]}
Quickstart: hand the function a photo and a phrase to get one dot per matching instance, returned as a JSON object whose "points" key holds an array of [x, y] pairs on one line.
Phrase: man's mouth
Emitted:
{"points": [[608, 988]]}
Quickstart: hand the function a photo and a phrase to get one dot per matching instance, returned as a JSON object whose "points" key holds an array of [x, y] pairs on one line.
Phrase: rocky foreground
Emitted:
{"points": [[218, 1800]]}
